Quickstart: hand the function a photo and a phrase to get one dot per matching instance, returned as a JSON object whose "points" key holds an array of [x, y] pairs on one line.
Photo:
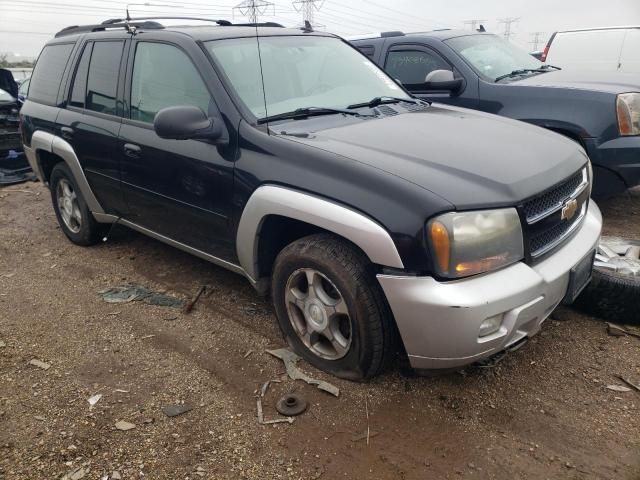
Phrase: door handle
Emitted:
{"points": [[131, 150], [67, 132]]}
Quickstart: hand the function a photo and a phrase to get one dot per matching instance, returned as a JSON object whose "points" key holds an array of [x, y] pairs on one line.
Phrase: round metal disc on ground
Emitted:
{"points": [[291, 405]]}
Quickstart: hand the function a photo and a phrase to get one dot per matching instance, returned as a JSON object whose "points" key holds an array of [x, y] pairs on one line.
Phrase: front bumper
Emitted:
{"points": [[439, 322]]}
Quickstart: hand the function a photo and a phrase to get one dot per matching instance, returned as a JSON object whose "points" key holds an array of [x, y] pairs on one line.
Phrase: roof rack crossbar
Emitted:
{"points": [[150, 23]]}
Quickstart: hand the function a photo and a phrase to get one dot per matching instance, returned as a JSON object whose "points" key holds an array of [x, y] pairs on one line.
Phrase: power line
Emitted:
{"points": [[535, 40], [508, 21], [474, 23], [308, 9], [252, 9]]}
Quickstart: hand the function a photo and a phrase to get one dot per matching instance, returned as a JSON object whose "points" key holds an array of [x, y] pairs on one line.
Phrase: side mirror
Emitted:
{"points": [[185, 123], [443, 80]]}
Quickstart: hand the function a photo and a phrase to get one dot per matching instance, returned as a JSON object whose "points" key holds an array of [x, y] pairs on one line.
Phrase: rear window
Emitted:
{"points": [[47, 74]]}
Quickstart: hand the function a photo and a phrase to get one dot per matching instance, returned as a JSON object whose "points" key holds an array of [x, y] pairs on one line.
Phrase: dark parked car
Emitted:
{"points": [[298, 163], [484, 72], [14, 167]]}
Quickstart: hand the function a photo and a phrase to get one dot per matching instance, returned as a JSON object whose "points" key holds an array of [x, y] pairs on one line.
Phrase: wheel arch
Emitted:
{"points": [[272, 209]]}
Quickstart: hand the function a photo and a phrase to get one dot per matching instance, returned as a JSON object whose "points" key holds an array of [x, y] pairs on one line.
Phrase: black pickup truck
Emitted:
{"points": [[600, 111], [378, 222]]}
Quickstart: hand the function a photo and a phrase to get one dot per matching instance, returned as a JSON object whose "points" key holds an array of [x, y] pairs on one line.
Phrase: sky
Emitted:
{"points": [[25, 25]]}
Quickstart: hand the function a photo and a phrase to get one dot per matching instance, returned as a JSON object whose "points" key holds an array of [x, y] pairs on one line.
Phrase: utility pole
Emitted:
{"points": [[474, 22], [308, 9], [252, 9], [535, 40], [507, 25]]}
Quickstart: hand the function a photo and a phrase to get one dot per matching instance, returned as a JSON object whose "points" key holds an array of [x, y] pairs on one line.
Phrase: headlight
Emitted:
{"points": [[468, 243], [628, 108]]}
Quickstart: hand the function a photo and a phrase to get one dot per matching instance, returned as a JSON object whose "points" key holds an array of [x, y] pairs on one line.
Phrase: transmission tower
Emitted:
{"points": [[535, 40], [474, 22], [252, 9], [507, 25], [308, 9]]}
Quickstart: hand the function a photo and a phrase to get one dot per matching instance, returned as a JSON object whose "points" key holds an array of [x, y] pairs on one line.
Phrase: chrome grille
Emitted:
{"points": [[546, 225]]}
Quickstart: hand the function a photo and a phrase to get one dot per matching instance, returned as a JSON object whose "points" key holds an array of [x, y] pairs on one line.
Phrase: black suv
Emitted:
{"points": [[376, 220], [600, 111]]}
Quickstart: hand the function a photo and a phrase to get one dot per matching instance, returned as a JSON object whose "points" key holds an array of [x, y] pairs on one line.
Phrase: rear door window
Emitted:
{"points": [[102, 78], [164, 76], [79, 89], [47, 74]]}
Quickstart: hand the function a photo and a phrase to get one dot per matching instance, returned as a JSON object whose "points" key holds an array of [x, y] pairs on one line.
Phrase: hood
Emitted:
{"points": [[471, 159], [610, 82]]}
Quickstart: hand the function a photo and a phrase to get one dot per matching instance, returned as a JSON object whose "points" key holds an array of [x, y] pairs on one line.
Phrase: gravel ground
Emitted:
{"points": [[543, 412]]}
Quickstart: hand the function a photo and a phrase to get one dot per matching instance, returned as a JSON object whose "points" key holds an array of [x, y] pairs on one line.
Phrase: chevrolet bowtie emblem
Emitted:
{"points": [[569, 209]]}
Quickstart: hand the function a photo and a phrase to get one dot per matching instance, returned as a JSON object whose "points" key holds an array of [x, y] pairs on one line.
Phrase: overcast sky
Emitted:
{"points": [[26, 24]]}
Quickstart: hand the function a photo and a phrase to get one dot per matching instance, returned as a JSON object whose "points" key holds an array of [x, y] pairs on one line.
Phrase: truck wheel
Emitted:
{"points": [[72, 212], [330, 309], [614, 292]]}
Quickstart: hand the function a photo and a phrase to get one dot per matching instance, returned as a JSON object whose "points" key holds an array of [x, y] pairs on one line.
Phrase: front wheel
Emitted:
{"points": [[330, 308]]}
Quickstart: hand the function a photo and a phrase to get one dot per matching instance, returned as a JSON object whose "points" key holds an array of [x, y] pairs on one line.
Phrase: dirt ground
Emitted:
{"points": [[544, 412]]}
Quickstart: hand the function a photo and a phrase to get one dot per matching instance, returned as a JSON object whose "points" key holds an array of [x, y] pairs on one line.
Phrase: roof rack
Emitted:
{"points": [[150, 24]]}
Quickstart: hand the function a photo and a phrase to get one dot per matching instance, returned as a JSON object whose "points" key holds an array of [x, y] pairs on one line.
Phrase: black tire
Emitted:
{"points": [[372, 331], [90, 232], [612, 297]]}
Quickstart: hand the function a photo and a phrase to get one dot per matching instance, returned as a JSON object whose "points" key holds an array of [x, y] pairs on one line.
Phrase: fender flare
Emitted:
{"points": [[48, 142], [267, 200]]}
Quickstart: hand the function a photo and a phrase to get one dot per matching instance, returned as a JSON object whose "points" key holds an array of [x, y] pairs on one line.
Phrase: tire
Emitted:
{"points": [[614, 294], [75, 219], [342, 277]]}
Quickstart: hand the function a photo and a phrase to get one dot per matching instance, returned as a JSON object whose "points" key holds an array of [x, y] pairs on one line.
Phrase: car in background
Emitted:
{"points": [[601, 112], [14, 166], [23, 90], [611, 49]]}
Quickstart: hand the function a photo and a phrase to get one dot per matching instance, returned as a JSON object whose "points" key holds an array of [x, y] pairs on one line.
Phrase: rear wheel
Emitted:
{"points": [[72, 211], [330, 308]]}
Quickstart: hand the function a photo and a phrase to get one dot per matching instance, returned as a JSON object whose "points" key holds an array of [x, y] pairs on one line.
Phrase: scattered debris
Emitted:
{"points": [[368, 434], [93, 400], [290, 359], [8, 275], [39, 364], [124, 426], [119, 390], [244, 356], [175, 410], [628, 382], [136, 293], [75, 474], [2, 344], [113, 314], [189, 306], [116, 475], [147, 336], [291, 405], [618, 388], [39, 418], [366, 409], [620, 331], [261, 419]]}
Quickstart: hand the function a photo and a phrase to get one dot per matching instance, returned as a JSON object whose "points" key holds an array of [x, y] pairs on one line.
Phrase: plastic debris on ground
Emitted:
{"points": [[290, 360], [138, 293]]}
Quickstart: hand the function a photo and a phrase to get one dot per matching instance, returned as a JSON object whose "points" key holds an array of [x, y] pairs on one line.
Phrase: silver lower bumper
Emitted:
{"points": [[439, 322]]}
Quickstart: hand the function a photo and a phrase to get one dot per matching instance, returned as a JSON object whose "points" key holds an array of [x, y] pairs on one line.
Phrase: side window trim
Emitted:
{"points": [[123, 42], [74, 75]]}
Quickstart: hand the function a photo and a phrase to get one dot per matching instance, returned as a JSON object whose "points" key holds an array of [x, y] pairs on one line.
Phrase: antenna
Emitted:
{"points": [[474, 22]]}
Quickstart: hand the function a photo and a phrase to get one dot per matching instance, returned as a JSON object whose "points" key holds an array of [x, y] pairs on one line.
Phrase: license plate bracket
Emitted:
{"points": [[579, 277]]}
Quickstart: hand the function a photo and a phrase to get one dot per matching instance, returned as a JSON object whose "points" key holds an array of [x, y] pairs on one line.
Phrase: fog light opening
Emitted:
{"points": [[490, 325]]}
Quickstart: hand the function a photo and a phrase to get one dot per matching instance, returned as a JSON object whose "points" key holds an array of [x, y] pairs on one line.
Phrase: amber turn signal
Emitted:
{"points": [[441, 245]]}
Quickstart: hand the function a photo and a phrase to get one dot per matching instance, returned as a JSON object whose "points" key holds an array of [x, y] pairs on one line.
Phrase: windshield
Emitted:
{"points": [[300, 72], [491, 56]]}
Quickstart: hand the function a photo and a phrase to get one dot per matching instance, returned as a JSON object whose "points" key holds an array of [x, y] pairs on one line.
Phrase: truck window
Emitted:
{"points": [[411, 67], [163, 76], [79, 88], [102, 79], [47, 73]]}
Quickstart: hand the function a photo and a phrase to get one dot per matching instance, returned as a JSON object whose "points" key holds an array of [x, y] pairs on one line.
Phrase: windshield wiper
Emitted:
{"points": [[306, 112], [523, 71], [374, 102]]}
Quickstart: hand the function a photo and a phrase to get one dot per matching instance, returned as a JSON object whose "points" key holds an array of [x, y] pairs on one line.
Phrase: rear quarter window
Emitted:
{"points": [[47, 74]]}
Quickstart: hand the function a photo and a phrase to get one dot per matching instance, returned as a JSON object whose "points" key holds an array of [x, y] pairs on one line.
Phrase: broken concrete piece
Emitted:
{"points": [[95, 399], [175, 410], [618, 388], [75, 474], [290, 359], [124, 426], [39, 364], [116, 475], [2, 344]]}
